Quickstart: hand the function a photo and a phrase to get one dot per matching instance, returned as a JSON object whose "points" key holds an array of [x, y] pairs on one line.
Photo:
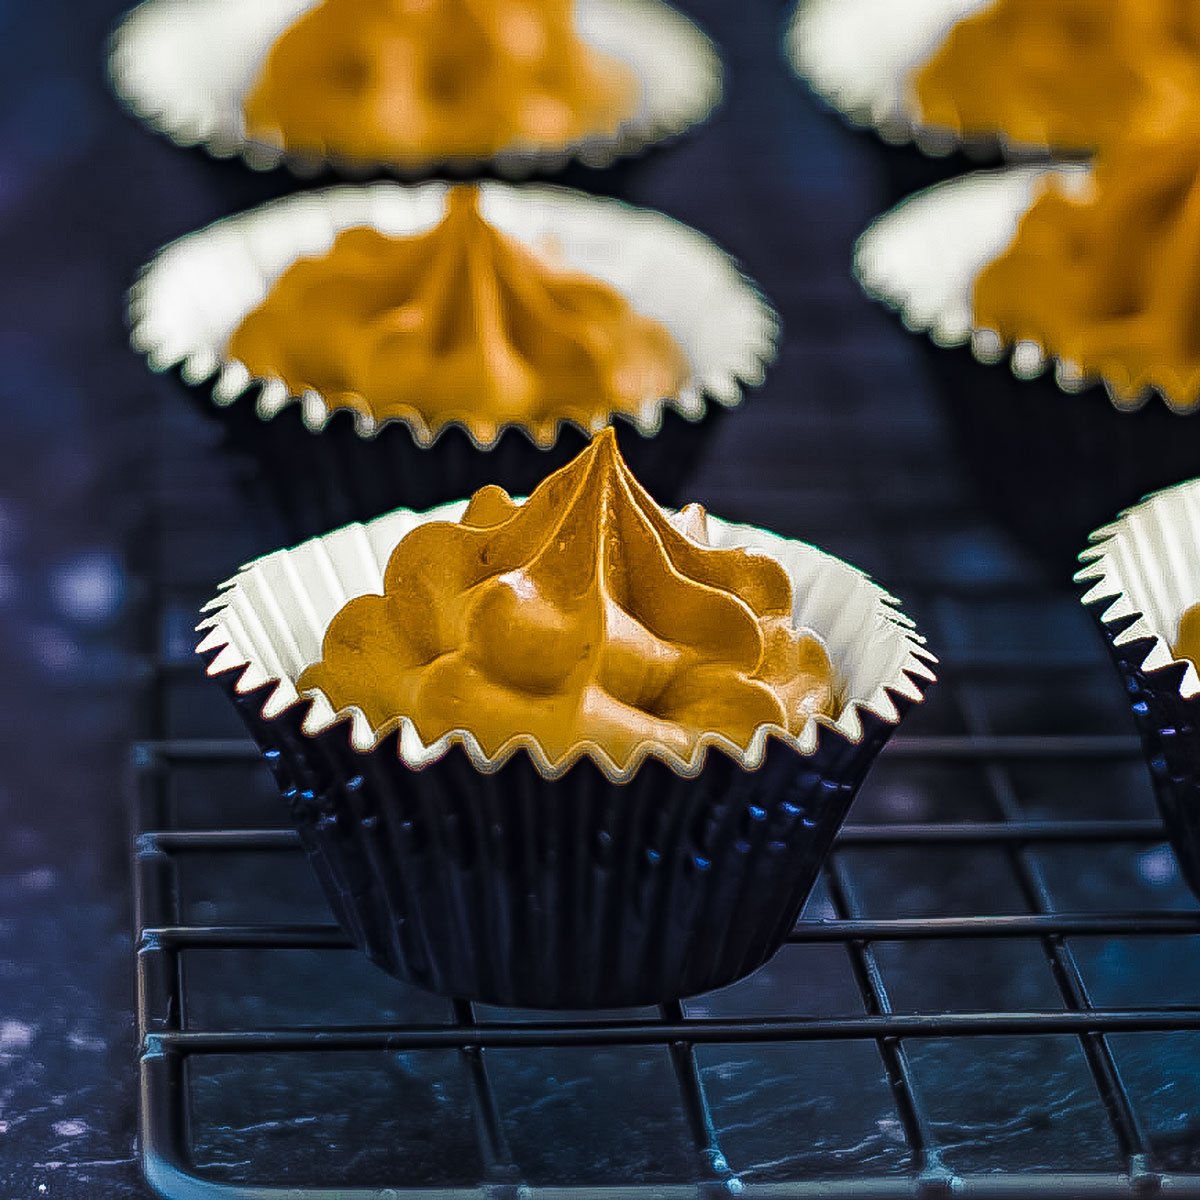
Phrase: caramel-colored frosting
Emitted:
{"points": [[1187, 641], [460, 323], [1109, 280], [1068, 74], [414, 81], [584, 615]]}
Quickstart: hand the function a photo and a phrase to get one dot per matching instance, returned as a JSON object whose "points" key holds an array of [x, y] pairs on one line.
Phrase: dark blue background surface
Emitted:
{"points": [[85, 197]]}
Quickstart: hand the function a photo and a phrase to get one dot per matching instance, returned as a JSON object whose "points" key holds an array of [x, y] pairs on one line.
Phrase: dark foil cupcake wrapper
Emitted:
{"points": [[1048, 465], [903, 168], [1142, 573], [314, 481], [905, 163], [516, 890], [910, 158], [1169, 726]]}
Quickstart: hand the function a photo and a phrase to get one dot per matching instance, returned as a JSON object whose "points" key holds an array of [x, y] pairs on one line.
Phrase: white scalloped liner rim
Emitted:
{"points": [[859, 57], [269, 620], [187, 302], [922, 258], [1146, 563], [184, 66]]}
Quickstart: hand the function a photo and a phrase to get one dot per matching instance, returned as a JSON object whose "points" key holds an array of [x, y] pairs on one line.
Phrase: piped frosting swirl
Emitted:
{"points": [[458, 324], [413, 81], [1108, 281], [581, 618], [1066, 74]]}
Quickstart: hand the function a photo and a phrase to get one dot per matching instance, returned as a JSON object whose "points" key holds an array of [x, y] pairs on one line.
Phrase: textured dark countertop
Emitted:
{"points": [[86, 196]]}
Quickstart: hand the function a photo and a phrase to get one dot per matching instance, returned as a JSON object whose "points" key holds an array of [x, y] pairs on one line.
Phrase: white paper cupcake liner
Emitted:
{"points": [[860, 56], [271, 619], [1145, 569], [188, 302], [1142, 572], [185, 66]]}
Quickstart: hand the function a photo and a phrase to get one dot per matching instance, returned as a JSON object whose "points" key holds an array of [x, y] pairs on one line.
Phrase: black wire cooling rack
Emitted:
{"points": [[995, 990]]}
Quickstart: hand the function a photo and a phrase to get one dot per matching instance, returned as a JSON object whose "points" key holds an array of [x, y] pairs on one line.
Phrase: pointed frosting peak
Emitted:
{"points": [[458, 324], [583, 616]]}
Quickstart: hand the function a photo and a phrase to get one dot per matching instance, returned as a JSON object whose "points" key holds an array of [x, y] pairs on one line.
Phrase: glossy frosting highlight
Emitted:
{"points": [[1109, 281], [414, 81], [1067, 74], [458, 324], [584, 616]]}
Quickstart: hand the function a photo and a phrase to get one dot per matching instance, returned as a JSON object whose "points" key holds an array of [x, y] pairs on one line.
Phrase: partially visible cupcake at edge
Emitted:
{"points": [[1142, 575], [1063, 75], [674, 711], [1091, 270], [1104, 278], [1060, 76], [1079, 276], [366, 347]]}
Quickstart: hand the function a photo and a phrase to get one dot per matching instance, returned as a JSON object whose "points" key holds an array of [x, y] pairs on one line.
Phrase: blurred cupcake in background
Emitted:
{"points": [[415, 85], [1086, 277], [1067, 76], [1142, 575], [384, 345], [976, 79], [574, 751]]}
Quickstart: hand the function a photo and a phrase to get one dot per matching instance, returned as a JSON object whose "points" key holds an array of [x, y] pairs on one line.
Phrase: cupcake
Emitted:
{"points": [[367, 347], [573, 751], [365, 85], [1083, 270], [977, 79], [1142, 575]]}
